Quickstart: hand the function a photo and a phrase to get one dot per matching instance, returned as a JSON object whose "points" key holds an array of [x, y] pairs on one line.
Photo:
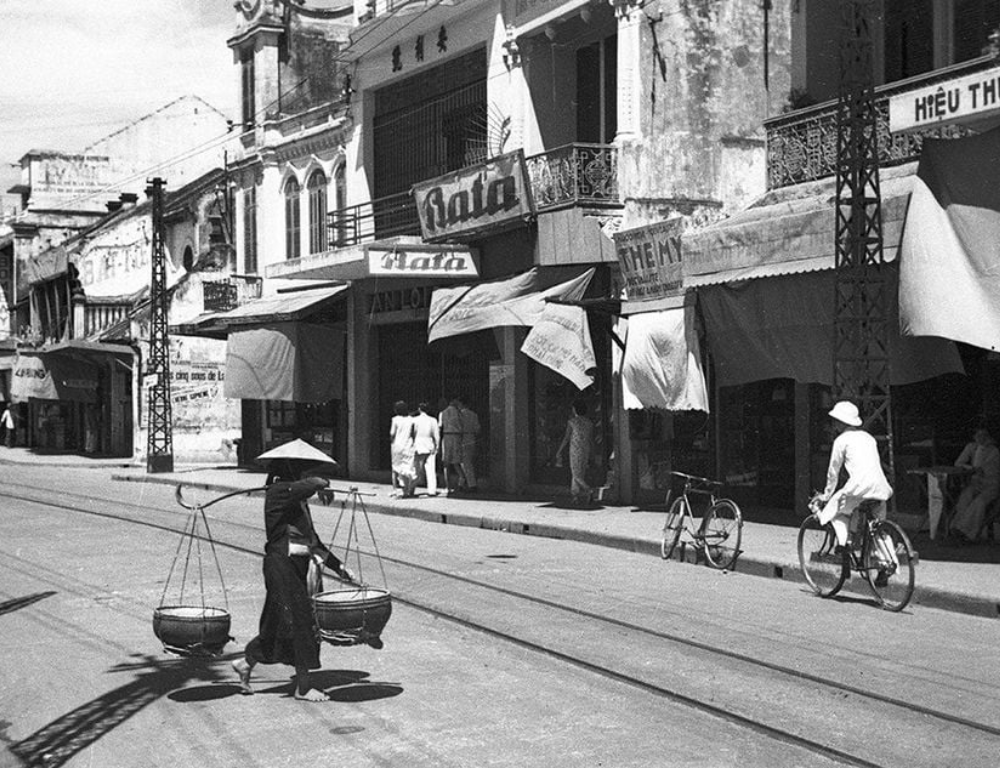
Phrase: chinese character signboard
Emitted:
{"points": [[650, 259], [475, 198]]}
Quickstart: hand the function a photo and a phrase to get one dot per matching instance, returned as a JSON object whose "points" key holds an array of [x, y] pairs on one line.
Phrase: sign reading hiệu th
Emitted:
{"points": [[650, 259], [474, 198], [970, 96], [421, 261]]}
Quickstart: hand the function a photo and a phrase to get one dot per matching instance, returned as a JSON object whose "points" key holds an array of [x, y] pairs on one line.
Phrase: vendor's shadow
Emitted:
{"points": [[340, 685], [571, 505]]}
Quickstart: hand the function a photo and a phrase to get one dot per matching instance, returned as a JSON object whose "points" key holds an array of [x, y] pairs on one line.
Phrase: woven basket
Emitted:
{"points": [[192, 629], [352, 616]]}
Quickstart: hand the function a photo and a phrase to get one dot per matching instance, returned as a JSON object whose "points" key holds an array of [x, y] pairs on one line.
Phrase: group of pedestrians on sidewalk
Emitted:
{"points": [[417, 439]]}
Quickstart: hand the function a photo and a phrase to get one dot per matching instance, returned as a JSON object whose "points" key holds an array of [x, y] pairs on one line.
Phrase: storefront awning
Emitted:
{"points": [[293, 362], [517, 300], [45, 376], [783, 328], [950, 264], [788, 231], [286, 305], [661, 366]]}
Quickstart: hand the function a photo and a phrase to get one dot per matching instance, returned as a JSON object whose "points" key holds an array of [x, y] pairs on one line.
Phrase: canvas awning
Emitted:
{"points": [[46, 376], [291, 361], [950, 264], [518, 300], [783, 328], [661, 365], [788, 231], [289, 304]]}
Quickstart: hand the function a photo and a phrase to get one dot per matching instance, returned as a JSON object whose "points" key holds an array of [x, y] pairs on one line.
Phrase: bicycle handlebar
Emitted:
{"points": [[697, 479]]}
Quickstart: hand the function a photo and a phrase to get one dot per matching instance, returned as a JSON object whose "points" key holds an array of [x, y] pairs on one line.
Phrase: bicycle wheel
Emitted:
{"points": [[672, 526], [889, 563], [825, 571], [722, 532]]}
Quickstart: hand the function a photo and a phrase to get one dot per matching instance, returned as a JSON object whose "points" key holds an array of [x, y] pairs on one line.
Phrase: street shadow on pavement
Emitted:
{"points": [[951, 551], [17, 603], [55, 744], [340, 685], [568, 504]]}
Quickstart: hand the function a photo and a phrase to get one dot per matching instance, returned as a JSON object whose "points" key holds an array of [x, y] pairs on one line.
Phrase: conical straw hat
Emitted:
{"points": [[298, 450]]}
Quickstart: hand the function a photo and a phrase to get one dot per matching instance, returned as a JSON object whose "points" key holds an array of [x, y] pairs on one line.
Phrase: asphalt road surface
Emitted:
{"points": [[502, 650]]}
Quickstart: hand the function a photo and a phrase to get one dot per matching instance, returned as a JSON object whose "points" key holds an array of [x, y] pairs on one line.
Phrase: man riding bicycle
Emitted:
{"points": [[855, 450]]}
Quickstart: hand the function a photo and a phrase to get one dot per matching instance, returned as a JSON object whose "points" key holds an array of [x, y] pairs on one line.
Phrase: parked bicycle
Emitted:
{"points": [[721, 530], [880, 551]]}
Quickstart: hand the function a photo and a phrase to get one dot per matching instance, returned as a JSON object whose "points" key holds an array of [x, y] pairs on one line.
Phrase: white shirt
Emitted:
{"points": [[425, 438], [857, 452]]}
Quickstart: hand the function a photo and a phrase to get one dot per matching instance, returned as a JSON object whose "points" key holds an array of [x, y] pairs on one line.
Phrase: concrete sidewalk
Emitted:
{"points": [[964, 579]]}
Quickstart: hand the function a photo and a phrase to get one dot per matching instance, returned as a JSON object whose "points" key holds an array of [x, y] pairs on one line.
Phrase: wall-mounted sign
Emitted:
{"points": [[421, 261], [952, 101], [650, 259], [401, 299], [475, 198]]}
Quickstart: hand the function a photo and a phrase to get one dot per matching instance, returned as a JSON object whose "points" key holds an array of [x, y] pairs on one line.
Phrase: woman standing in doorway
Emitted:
{"points": [[580, 439]]}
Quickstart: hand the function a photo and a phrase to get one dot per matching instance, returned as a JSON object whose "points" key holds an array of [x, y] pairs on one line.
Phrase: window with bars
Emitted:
{"points": [[250, 230], [293, 220], [430, 124], [316, 187]]}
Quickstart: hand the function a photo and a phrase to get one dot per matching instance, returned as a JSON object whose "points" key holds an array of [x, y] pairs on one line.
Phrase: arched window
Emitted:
{"points": [[188, 259], [317, 211], [339, 205], [293, 220]]}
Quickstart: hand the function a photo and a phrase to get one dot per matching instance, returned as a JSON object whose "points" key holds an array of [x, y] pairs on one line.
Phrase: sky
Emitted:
{"points": [[74, 71]]}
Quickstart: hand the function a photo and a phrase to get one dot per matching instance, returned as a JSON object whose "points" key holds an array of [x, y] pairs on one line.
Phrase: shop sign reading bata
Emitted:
{"points": [[474, 198], [650, 258], [970, 96], [421, 261]]}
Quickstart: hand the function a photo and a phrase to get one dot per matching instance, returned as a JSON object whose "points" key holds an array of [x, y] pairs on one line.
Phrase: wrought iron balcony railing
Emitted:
{"points": [[390, 216], [576, 174], [802, 145]]}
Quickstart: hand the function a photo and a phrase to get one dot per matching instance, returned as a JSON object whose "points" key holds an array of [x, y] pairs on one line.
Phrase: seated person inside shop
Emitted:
{"points": [[982, 457]]}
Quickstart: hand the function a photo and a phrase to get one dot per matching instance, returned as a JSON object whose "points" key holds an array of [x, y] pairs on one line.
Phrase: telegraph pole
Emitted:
{"points": [[861, 351], [159, 424]]}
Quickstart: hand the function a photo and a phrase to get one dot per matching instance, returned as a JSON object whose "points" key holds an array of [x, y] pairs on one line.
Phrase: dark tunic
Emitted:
{"points": [[287, 633]]}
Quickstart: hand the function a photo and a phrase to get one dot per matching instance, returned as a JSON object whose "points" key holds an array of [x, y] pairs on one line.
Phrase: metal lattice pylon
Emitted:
{"points": [[861, 346], [159, 425]]}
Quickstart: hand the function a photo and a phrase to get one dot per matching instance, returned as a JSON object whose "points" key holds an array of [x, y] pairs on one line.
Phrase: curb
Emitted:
{"points": [[773, 568]]}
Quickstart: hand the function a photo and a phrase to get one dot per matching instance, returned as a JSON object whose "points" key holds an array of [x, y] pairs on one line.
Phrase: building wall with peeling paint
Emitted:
{"points": [[700, 102]]}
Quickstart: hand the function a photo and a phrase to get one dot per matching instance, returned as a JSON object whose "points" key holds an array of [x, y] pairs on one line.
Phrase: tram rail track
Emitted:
{"points": [[84, 504]]}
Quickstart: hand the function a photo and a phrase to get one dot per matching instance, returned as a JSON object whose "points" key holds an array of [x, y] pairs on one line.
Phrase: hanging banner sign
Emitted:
{"points": [[650, 259], [975, 95], [561, 341], [421, 261], [474, 198]]}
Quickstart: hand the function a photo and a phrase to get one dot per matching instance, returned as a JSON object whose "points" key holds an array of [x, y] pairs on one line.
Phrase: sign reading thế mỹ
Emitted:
{"points": [[650, 259]]}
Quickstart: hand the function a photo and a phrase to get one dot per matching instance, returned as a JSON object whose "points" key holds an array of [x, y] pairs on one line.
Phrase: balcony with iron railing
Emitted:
{"points": [[802, 144], [584, 175]]}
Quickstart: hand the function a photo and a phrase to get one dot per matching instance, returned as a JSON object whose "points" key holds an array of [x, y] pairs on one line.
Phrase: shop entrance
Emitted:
{"points": [[411, 370]]}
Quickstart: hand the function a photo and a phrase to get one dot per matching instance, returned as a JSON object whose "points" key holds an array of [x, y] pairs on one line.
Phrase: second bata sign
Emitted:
{"points": [[474, 198]]}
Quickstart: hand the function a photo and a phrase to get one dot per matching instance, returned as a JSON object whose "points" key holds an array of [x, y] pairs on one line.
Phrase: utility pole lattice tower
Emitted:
{"points": [[159, 425], [861, 351]]}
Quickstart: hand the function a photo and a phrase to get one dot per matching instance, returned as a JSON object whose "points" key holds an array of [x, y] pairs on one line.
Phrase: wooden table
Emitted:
{"points": [[940, 498]]}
